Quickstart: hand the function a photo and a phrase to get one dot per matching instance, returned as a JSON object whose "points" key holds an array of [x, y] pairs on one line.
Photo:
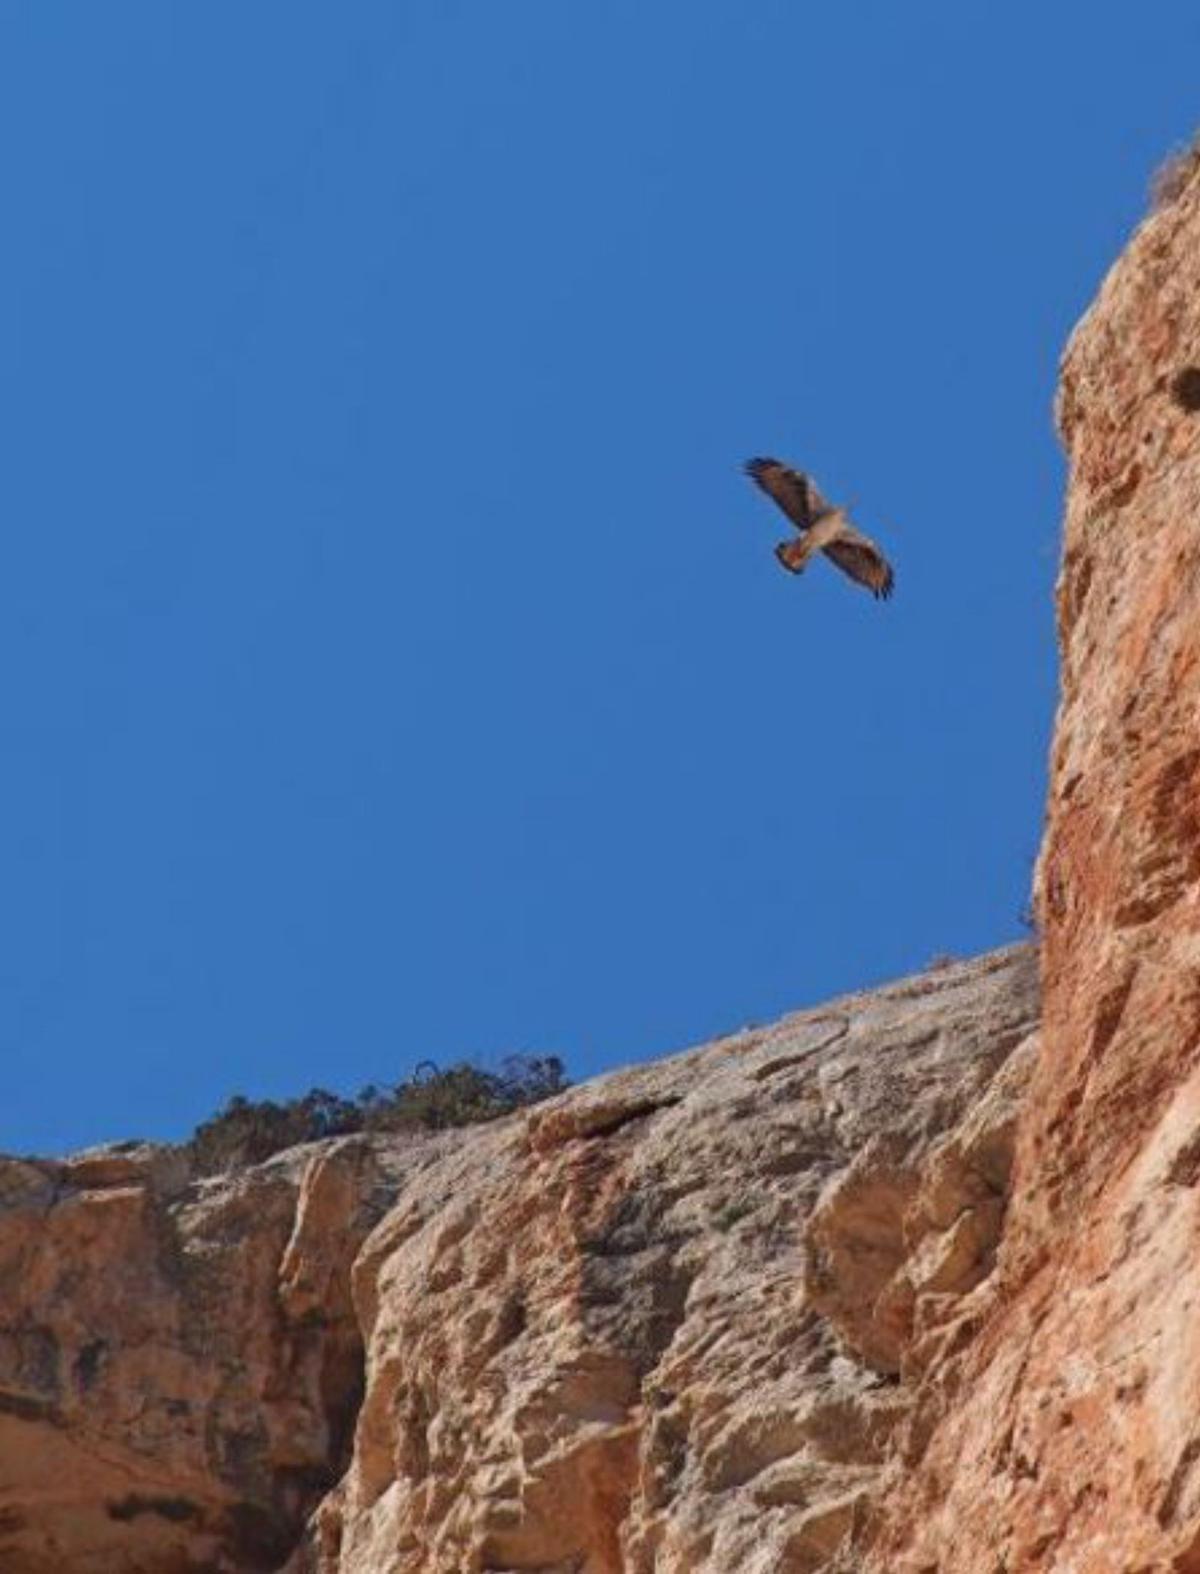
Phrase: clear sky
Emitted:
{"points": [[394, 661]]}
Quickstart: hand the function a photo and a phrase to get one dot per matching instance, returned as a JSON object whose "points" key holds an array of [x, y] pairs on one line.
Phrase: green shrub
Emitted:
{"points": [[1174, 175], [247, 1132]]}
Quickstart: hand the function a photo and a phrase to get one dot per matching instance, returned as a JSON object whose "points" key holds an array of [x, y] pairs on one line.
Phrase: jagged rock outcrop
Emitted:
{"points": [[1064, 1433], [659, 1323], [901, 1283], [180, 1367]]}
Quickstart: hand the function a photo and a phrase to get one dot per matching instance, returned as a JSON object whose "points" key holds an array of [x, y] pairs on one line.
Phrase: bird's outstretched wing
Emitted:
{"points": [[792, 490], [858, 556]]}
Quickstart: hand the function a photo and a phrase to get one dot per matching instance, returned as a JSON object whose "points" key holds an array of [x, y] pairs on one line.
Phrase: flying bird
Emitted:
{"points": [[823, 527]]}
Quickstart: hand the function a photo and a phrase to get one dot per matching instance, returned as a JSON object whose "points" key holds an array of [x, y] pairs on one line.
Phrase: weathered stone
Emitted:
{"points": [[638, 1329], [179, 1363], [898, 1284], [1061, 1432], [589, 1343]]}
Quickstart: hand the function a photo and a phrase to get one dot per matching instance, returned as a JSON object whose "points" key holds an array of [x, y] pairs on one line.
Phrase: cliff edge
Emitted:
{"points": [[904, 1282], [657, 1323], [1066, 1435]]}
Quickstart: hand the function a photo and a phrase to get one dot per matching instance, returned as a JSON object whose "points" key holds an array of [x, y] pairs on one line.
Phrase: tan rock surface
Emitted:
{"points": [[1065, 1435], [179, 1363], [653, 1325], [786, 1303], [657, 1324]]}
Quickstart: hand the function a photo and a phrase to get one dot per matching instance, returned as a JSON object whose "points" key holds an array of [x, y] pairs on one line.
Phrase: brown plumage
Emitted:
{"points": [[823, 528]]}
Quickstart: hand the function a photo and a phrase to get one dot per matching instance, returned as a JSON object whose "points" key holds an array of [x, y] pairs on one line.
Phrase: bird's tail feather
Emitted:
{"points": [[793, 554]]}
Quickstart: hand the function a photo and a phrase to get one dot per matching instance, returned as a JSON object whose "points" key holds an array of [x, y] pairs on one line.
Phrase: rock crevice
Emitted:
{"points": [[659, 1323], [1063, 1436]]}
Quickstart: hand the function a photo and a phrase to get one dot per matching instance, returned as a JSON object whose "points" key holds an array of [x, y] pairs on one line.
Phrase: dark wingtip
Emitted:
{"points": [[755, 467]]}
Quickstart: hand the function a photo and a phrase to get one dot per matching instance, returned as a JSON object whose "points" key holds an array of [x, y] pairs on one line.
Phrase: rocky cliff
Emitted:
{"points": [[180, 1366], [901, 1283], [1066, 1433], [660, 1322]]}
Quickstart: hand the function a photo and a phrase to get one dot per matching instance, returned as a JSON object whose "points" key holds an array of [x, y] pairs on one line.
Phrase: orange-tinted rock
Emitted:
{"points": [[646, 1328], [657, 1324], [179, 1363], [897, 1284], [1065, 1432]]}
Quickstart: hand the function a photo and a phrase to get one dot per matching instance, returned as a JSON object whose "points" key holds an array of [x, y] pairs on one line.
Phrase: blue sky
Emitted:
{"points": [[394, 661]]}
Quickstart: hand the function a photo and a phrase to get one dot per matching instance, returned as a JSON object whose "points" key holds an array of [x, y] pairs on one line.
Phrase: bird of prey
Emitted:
{"points": [[823, 527]]}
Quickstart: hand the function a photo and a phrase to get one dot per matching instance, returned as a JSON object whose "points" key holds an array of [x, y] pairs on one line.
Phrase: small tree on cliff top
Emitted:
{"points": [[247, 1131]]}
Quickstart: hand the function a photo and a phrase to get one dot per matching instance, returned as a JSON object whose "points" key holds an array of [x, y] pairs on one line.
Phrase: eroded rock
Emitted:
{"points": [[1061, 1432], [647, 1327], [657, 1324], [179, 1362]]}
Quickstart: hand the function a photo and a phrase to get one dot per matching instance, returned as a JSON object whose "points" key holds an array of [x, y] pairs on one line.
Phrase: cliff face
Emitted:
{"points": [[897, 1284], [659, 1324], [656, 1324], [180, 1367], [1067, 1436]]}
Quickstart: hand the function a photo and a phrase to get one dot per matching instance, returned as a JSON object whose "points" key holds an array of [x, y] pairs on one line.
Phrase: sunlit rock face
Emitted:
{"points": [[669, 1322], [180, 1366], [905, 1282], [1066, 1434], [666, 1322]]}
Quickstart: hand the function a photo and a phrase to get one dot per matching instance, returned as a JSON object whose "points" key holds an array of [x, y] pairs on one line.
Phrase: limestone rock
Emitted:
{"points": [[179, 1363], [904, 1283], [653, 1325], [657, 1324], [1063, 1433]]}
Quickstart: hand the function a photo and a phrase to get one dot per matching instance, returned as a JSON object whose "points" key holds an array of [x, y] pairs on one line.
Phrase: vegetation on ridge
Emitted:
{"points": [[1174, 175], [248, 1131]]}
